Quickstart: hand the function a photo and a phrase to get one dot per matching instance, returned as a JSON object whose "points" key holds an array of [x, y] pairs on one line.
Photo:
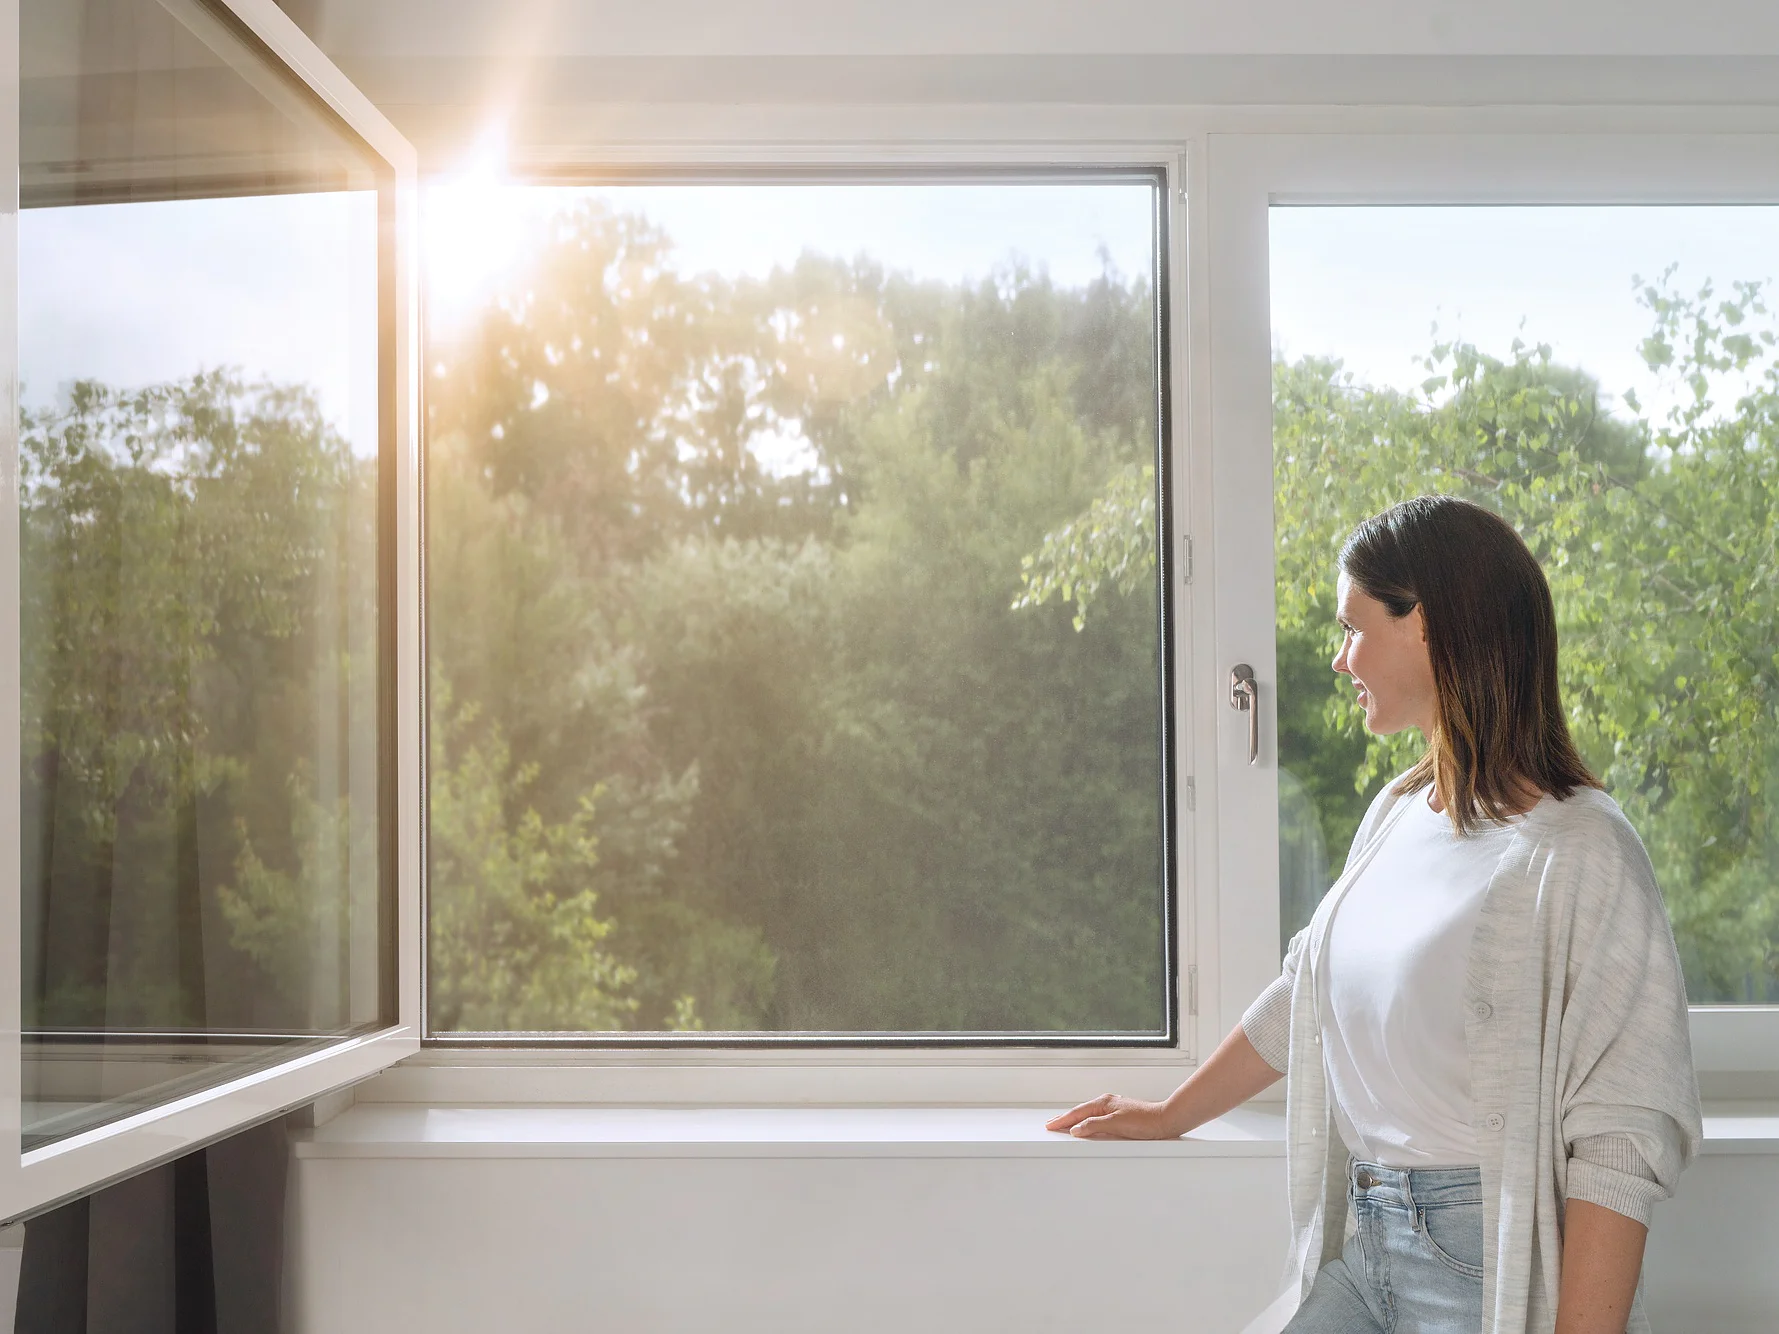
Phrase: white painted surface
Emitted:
{"points": [[525, 61], [372, 1130], [1710, 1263], [1040, 27], [738, 1220], [768, 1244]]}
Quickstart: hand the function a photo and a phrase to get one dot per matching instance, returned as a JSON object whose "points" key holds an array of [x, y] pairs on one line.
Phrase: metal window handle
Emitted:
{"points": [[1244, 694]]}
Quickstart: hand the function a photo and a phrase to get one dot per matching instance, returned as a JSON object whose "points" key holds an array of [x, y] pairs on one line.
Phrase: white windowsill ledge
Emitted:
{"points": [[384, 1130]]}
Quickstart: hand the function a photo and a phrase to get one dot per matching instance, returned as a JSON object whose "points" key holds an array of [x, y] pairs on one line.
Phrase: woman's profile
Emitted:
{"points": [[1483, 1029]]}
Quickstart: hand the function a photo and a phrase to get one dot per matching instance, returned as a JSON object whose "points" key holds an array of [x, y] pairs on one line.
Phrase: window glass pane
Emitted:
{"points": [[793, 616], [199, 607], [1605, 378]]}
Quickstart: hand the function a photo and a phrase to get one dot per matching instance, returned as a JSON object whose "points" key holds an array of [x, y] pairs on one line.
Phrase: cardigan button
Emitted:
{"points": [[1482, 1009], [1494, 1120]]}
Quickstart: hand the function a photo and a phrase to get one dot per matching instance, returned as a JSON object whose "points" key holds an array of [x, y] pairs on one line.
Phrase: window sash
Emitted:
{"points": [[1245, 176], [1040, 1051], [31, 1182]]}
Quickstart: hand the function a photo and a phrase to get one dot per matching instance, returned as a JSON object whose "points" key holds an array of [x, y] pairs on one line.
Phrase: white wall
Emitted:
{"points": [[1038, 27], [444, 70], [868, 1242], [776, 1245]]}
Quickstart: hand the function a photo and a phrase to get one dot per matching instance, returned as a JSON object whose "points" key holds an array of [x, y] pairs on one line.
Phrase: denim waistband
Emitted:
{"points": [[1420, 1186]]}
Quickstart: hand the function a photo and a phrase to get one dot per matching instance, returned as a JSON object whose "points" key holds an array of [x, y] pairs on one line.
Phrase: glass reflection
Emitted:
{"points": [[200, 644]]}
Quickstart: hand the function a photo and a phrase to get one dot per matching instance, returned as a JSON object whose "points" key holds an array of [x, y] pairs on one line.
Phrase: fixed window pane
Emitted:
{"points": [[201, 636], [1607, 379], [794, 622]]}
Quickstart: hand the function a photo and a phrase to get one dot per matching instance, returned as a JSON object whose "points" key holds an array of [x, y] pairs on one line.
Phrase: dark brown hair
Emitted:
{"points": [[1492, 639]]}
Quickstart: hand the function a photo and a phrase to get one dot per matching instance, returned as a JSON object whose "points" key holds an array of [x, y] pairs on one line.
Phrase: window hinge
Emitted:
{"points": [[1191, 794], [1186, 561], [1192, 989]]}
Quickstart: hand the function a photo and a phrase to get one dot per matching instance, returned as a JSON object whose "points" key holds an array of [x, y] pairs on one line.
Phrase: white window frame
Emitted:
{"points": [[1225, 167], [1247, 175], [30, 1182], [863, 1074]]}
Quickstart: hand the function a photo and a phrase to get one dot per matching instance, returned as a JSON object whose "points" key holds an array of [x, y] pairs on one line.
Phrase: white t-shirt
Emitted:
{"points": [[1392, 1001]]}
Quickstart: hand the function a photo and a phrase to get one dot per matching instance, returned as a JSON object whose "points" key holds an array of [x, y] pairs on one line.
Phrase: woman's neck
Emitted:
{"points": [[1523, 795]]}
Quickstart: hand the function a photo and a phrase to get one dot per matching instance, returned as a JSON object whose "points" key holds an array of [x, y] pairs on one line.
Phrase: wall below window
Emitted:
{"points": [[445, 1230]]}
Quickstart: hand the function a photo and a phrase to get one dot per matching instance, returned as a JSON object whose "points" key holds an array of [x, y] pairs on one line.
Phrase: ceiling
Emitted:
{"points": [[439, 67]]}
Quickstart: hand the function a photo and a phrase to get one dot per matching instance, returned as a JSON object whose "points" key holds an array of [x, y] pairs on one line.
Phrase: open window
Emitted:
{"points": [[210, 711]]}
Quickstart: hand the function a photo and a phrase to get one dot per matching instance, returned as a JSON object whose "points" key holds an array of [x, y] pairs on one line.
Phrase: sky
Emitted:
{"points": [[134, 293], [282, 286], [952, 232], [1366, 284]]}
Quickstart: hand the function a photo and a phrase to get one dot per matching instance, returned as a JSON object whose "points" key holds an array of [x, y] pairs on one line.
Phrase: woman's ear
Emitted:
{"points": [[1420, 621]]}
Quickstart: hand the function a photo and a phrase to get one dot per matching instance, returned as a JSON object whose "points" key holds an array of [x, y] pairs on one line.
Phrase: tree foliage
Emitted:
{"points": [[197, 624], [742, 553], [1658, 540], [794, 651]]}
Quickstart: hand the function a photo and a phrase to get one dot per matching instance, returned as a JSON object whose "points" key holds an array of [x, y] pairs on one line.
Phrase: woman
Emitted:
{"points": [[1483, 1029]]}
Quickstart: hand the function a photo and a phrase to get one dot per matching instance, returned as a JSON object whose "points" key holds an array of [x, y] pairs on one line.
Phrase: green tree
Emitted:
{"points": [[514, 936], [883, 799], [1659, 541]]}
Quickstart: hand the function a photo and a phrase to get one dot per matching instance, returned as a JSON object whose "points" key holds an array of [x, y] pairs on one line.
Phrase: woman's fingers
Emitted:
{"points": [[1096, 1127], [1075, 1115]]}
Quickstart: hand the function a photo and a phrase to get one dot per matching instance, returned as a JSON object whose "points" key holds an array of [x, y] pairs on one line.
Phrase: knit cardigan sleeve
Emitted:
{"points": [[1267, 1022], [1629, 1107]]}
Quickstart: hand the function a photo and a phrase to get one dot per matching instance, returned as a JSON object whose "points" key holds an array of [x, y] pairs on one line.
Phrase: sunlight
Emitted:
{"points": [[470, 231]]}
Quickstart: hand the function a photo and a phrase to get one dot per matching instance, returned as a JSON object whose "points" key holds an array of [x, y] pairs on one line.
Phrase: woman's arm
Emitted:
{"points": [[1602, 1254], [1241, 1066], [1234, 1073]]}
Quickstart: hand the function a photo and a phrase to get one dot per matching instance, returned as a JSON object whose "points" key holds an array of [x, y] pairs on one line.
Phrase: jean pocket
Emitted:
{"points": [[1454, 1233]]}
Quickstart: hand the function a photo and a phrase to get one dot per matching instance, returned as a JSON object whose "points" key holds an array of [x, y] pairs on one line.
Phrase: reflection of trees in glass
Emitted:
{"points": [[1659, 541], [734, 561], [197, 627]]}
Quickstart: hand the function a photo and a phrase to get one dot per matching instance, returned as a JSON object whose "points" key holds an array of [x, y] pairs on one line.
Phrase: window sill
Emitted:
{"points": [[385, 1130]]}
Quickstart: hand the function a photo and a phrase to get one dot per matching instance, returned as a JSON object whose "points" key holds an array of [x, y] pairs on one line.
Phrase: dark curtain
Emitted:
{"points": [[195, 1246]]}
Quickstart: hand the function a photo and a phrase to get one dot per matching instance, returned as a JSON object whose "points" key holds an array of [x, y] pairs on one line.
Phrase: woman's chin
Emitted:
{"points": [[1379, 725]]}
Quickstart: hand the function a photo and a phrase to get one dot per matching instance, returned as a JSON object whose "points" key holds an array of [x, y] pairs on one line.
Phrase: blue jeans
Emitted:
{"points": [[1414, 1266]]}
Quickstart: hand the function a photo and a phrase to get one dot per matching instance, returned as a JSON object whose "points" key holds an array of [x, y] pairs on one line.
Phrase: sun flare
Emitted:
{"points": [[470, 231]]}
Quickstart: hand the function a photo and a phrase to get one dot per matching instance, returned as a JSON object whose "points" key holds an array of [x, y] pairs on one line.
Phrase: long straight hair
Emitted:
{"points": [[1492, 638]]}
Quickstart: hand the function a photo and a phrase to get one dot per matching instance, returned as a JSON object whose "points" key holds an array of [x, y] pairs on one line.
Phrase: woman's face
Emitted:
{"points": [[1386, 657]]}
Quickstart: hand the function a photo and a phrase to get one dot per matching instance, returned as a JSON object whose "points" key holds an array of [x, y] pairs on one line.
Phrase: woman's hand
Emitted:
{"points": [[1113, 1116], [1234, 1073]]}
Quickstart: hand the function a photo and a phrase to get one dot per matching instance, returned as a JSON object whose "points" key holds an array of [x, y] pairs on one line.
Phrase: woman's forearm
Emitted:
{"points": [[1602, 1254], [1230, 1076]]}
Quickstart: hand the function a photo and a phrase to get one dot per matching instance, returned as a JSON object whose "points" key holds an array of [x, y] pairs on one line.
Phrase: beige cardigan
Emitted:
{"points": [[1580, 1062]]}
